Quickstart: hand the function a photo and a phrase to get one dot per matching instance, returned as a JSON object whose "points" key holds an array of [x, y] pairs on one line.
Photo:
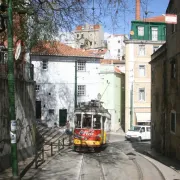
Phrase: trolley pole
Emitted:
{"points": [[11, 92]]}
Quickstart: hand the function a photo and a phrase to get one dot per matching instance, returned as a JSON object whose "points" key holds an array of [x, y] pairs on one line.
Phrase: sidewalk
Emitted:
{"points": [[172, 163]]}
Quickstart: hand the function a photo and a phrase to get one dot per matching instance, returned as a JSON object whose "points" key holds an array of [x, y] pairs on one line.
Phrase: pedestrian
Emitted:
{"points": [[68, 131]]}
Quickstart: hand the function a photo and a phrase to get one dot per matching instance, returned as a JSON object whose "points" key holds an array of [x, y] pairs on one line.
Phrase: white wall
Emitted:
{"points": [[113, 46], [57, 86]]}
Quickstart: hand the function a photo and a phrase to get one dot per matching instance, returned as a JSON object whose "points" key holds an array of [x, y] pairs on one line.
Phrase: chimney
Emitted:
{"points": [[138, 5]]}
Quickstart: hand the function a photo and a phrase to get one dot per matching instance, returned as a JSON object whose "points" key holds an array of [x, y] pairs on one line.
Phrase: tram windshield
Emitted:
{"points": [[87, 121], [97, 122]]}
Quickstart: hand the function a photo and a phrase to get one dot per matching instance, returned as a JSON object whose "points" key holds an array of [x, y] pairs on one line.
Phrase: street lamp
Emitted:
{"points": [[11, 89]]}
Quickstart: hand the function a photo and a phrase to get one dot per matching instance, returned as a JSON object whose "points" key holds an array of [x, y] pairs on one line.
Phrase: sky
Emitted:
{"points": [[154, 7]]}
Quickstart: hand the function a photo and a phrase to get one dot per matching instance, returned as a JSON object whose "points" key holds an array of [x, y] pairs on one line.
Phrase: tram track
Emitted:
{"points": [[91, 168], [142, 175]]}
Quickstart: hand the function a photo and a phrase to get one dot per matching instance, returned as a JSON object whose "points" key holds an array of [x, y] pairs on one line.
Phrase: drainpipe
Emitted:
{"points": [[75, 87], [131, 106]]}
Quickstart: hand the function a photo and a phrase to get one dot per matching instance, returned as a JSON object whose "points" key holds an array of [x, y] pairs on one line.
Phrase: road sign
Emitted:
{"points": [[18, 49], [171, 18]]}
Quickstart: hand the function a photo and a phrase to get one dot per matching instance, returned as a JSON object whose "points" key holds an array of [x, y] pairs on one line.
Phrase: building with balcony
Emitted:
{"points": [[145, 38]]}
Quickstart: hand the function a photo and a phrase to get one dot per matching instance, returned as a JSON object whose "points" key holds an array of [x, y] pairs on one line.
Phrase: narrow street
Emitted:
{"points": [[120, 160]]}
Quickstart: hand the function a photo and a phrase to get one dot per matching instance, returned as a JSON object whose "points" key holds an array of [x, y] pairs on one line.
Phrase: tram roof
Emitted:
{"points": [[88, 109]]}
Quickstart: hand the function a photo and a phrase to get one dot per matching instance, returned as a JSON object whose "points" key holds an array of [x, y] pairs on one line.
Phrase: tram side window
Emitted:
{"points": [[78, 121], [97, 122], [87, 121]]}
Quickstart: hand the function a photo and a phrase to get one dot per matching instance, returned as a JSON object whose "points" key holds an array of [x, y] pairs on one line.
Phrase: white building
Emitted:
{"points": [[54, 70], [116, 46]]}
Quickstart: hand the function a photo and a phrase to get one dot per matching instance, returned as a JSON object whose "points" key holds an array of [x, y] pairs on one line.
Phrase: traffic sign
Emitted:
{"points": [[18, 49]]}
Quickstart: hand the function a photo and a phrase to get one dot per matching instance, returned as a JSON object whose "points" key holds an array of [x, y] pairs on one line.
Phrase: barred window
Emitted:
{"points": [[37, 87], [51, 111], [44, 64], [81, 66], [81, 90]]}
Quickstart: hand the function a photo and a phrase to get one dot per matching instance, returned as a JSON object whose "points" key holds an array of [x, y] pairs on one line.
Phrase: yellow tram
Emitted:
{"points": [[92, 121]]}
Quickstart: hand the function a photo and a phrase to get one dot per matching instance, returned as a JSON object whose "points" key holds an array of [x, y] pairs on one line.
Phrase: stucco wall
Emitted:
{"points": [[25, 116], [59, 81]]}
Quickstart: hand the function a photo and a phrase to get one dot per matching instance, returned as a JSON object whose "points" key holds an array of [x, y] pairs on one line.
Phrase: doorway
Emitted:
{"points": [[38, 109], [62, 117]]}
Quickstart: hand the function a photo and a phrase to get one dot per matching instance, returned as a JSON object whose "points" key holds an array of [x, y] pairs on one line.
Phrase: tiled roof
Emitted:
{"points": [[155, 19], [96, 26], [117, 70], [59, 49], [97, 52], [111, 61]]}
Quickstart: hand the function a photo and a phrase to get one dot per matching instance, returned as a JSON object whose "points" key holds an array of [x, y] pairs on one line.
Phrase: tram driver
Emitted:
{"points": [[86, 122]]}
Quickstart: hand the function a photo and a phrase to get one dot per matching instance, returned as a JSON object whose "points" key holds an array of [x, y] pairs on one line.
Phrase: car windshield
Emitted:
{"points": [[136, 128]]}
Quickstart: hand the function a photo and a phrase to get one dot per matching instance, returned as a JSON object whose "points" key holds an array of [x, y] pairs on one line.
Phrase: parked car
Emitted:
{"points": [[139, 133]]}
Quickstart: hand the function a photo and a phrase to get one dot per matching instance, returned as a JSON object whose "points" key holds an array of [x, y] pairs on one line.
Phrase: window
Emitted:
{"points": [[142, 129], [81, 66], [82, 35], [78, 121], [97, 122], [81, 90], [154, 31], [44, 64], [90, 43], [148, 129], [173, 69], [141, 50], [37, 87], [87, 118], [77, 35], [155, 48], [51, 111], [119, 41], [3, 56], [173, 122], [119, 50], [141, 94], [141, 70], [140, 31]]}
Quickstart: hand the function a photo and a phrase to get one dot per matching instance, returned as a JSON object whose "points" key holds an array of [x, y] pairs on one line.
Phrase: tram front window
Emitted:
{"points": [[97, 122], [78, 121], [87, 121]]}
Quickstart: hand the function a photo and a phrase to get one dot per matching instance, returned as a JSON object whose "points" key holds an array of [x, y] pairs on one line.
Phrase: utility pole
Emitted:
{"points": [[75, 86], [11, 92]]}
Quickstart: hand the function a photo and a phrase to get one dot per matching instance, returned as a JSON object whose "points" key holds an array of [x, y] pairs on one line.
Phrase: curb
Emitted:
{"points": [[160, 172], [157, 159]]}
